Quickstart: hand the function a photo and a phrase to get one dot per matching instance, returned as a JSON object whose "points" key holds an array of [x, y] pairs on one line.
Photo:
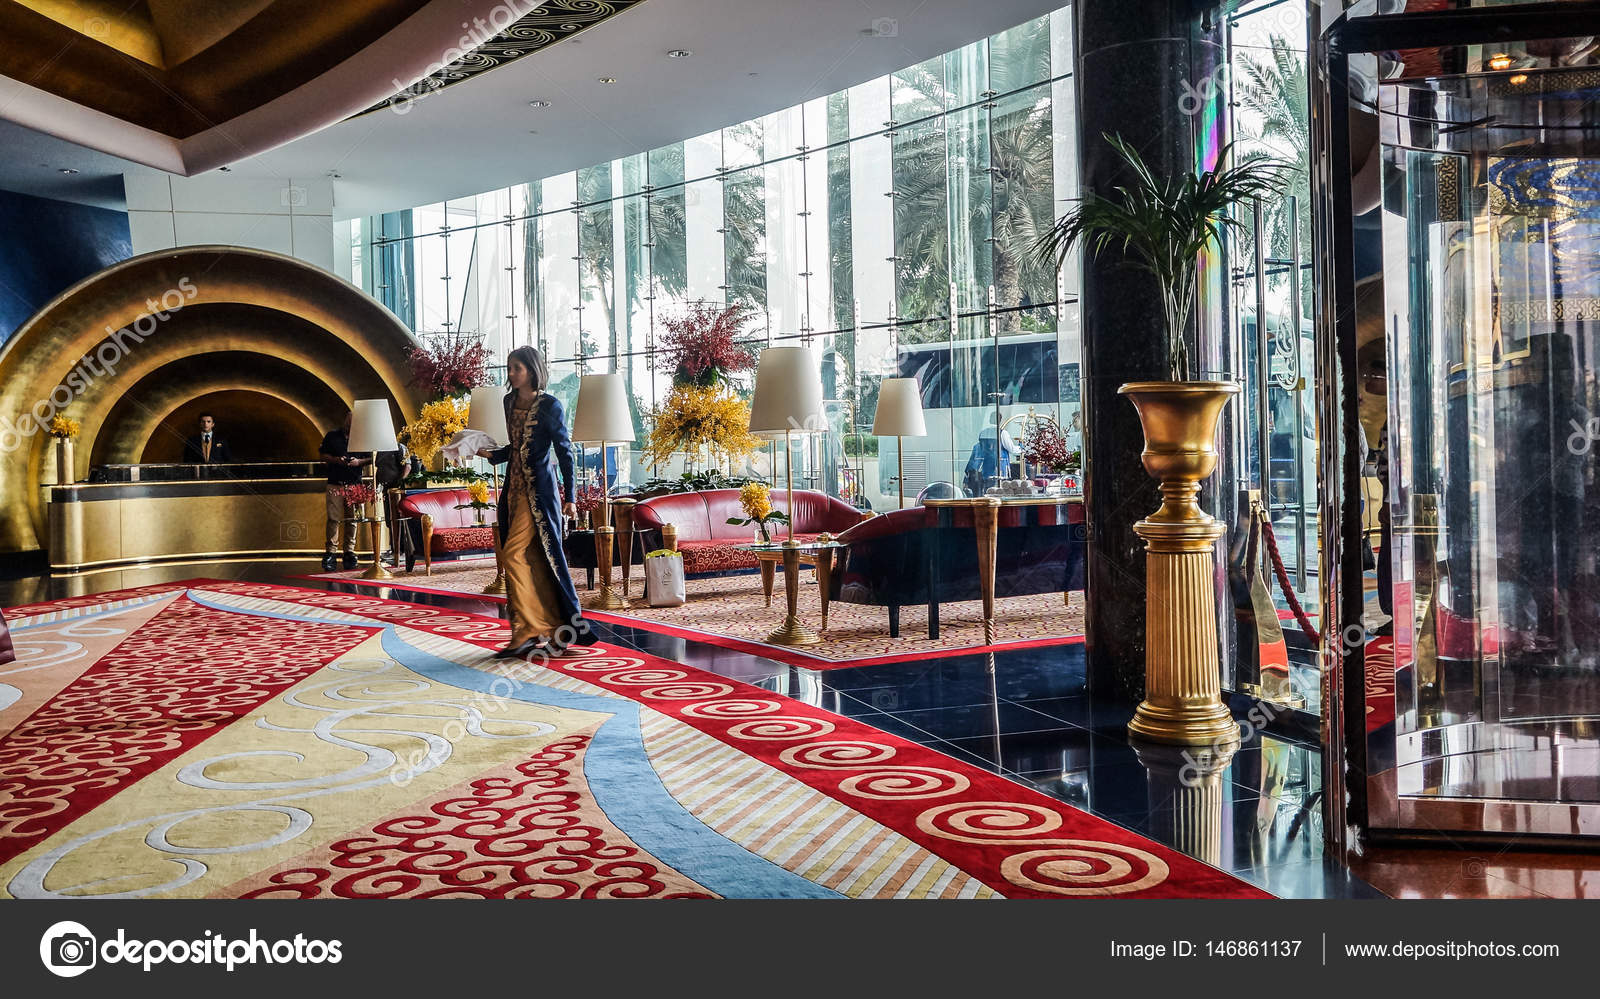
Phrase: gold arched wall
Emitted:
{"points": [[125, 348]]}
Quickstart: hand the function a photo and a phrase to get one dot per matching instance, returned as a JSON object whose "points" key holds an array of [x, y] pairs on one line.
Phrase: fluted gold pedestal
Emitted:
{"points": [[1183, 681]]}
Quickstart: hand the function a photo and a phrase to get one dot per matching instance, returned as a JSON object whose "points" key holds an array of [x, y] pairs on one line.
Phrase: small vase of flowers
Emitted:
{"points": [[756, 500], [479, 501], [1044, 446], [64, 429]]}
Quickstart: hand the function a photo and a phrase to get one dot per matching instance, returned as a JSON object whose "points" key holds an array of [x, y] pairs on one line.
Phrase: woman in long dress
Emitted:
{"points": [[539, 594]]}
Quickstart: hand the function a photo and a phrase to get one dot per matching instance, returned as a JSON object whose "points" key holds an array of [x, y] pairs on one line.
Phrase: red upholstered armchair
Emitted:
{"points": [[709, 543], [444, 529]]}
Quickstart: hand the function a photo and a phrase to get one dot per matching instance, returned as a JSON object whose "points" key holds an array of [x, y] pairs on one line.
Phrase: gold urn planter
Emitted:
{"points": [[1183, 685]]}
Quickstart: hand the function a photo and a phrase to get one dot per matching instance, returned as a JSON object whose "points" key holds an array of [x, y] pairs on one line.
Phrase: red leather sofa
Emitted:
{"points": [[709, 543], [439, 529]]}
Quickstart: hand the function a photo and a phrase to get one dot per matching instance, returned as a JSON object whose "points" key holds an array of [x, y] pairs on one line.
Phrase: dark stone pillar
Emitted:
{"points": [[1140, 66]]}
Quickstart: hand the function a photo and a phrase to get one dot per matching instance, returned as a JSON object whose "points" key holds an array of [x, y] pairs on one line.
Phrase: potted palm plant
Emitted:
{"points": [[1162, 225]]}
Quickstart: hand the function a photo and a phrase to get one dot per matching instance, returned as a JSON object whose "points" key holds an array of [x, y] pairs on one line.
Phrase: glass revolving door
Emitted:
{"points": [[1463, 373]]}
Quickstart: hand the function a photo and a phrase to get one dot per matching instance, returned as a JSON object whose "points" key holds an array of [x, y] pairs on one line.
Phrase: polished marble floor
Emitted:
{"points": [[1027, 716]]}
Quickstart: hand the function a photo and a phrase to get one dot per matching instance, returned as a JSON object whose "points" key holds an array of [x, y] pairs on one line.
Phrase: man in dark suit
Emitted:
{"points": [[207, 447]]}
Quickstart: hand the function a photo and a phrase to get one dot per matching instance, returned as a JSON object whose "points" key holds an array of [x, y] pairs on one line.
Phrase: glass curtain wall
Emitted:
{"points": [[1271, 278], [889, 227]]}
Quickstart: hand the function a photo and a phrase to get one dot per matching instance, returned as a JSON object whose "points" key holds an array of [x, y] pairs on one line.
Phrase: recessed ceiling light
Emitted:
{"points": [[608, 79], [679, 53], [538, 104], [65, 170], [1499, 61]]}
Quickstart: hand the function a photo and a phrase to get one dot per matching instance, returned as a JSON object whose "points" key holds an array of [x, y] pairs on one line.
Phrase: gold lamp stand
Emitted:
{"points": [[377, 571], [792, 631], [604, 540], [1183, 683]]}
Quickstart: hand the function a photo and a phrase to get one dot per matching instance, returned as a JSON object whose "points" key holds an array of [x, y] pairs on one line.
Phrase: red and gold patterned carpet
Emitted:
{"points": [[225, 739], [732, 611]]}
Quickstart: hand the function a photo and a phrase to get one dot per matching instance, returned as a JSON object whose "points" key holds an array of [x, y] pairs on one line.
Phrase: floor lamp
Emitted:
{"points": [[487, 413], [787, 401], [603, 418], [372, 430], [900, 416]]}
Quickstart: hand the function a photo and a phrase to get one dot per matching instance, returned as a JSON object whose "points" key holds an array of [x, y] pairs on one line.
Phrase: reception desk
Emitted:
{"points": [[157, 513]]}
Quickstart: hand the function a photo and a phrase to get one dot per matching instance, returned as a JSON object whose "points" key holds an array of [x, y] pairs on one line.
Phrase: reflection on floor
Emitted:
{"points": [[1031, 720]]}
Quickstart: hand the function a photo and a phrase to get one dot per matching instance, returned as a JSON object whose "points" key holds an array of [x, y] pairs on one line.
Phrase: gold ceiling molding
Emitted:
{"points": [[139, 325], [191, 85], [179, 67]]}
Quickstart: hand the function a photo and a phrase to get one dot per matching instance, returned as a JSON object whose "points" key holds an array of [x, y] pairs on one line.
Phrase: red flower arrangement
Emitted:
{"points": [[587, 498], [702, 347], [1042, 444], [358, 494], [448, 366]]}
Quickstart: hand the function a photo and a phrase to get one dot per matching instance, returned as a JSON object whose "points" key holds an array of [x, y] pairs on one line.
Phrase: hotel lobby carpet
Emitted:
{"points": [[731, 611], [205, 738]]}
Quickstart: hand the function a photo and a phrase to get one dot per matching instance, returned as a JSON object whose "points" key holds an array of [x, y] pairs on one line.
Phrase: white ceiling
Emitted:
{"points": [[750, 57]]}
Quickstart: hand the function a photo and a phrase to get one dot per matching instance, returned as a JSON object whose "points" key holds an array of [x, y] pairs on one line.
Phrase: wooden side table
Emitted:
{"points": [[985, 513]]}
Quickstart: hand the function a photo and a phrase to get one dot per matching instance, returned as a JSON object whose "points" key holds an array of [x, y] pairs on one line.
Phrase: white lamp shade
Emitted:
{"points": [[487, 413], [788, 393], [371, 427], [602, 410], [899, 409]]}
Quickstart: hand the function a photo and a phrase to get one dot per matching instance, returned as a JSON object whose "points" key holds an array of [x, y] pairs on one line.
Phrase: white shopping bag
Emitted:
{"points": [[663, 579]]}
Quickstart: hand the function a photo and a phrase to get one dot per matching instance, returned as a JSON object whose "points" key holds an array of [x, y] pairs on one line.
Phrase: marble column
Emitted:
{"points": [[1146, 71]]}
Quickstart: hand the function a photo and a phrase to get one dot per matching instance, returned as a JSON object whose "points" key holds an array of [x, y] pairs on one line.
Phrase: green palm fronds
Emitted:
{"points": [[1163, 225]]}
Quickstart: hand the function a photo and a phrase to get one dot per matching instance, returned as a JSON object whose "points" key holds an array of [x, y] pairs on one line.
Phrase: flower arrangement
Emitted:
{"points": [[1043, 445], [357, 494], [452, 476], [64, 427], [756, 499], [702, 346], [696, 416], [587, 499], [434, 426], [448, 366], [478, 490]]}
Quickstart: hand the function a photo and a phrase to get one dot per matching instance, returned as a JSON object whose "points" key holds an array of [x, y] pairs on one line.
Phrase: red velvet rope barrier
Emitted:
{"points": [[1300, 615]]}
